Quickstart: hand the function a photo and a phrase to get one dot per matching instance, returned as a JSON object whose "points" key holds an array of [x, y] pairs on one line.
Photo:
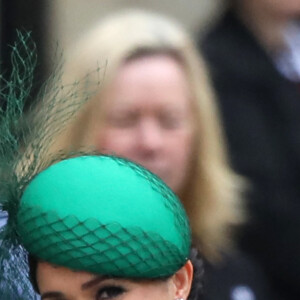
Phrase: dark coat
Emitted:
{"points": [[261, 114], [236, 277]]}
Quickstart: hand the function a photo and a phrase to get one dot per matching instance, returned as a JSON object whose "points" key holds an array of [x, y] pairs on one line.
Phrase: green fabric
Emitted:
{"points": [[105, 215]]}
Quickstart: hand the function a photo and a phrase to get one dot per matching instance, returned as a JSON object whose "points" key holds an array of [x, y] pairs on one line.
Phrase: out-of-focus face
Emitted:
{"points": [[59, 283], [150, 119]]}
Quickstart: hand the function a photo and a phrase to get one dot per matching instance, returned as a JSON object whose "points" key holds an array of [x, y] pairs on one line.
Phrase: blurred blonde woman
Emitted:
{"points": [[155, 106], [209, 188]]}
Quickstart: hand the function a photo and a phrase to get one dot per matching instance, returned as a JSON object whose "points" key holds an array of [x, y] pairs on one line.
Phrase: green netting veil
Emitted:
{"points": [[104, 215], [25, 143]]}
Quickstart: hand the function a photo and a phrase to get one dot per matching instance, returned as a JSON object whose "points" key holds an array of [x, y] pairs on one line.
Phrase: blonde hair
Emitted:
{"points": [[212, 195]]}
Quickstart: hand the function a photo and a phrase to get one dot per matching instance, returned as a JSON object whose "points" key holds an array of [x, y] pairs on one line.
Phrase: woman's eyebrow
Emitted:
{"points": [[93, 282], [52, 295]]}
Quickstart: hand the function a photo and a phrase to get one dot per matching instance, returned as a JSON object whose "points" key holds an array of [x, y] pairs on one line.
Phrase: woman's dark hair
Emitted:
{"points": [[195, 257], [197, 283], [33, 262]]}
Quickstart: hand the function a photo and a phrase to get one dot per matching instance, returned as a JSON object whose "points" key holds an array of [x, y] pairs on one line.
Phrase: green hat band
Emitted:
{"points": [[104, 215]]}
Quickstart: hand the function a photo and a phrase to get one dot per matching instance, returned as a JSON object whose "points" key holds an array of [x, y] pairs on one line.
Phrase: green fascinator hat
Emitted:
{"points": [[99, 214], [104, 215]]}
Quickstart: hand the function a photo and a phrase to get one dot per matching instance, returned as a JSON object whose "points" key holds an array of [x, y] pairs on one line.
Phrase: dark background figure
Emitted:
{"points": [[253, 53], [236, 277]]}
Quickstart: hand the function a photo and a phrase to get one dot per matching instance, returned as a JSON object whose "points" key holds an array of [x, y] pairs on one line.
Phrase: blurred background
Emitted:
{"points": [[63, 21]]}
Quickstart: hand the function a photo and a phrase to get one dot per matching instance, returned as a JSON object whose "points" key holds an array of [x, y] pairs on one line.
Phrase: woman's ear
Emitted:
{"points": [[182, 280]]}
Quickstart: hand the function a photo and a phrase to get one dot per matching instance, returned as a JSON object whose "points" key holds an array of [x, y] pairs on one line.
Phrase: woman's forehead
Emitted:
{"points": [[149, 78]]}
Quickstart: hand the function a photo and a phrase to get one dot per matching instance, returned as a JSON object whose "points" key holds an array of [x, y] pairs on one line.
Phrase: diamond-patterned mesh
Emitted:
{"points": [[107, 242], [95, 247]]}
